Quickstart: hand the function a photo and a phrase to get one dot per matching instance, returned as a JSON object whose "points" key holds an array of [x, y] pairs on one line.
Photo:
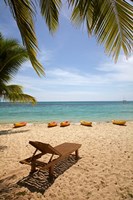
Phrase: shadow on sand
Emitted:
{"points": [[40, 180], [12, 131]]}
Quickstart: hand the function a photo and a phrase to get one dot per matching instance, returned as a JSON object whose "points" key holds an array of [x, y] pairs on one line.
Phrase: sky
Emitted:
{"points": [[76, 66]]}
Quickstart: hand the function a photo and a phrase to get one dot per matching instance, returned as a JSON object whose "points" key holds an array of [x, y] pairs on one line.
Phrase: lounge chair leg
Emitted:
{"points": [[51, 169], [33, 168], [77, 154]]}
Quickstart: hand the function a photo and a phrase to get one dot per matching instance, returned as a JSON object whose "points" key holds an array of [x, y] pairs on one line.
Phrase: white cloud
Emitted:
{"points": [[121, 71], [65, 77], [59, 78], [64, 84], [26, 65], [44, 56]]}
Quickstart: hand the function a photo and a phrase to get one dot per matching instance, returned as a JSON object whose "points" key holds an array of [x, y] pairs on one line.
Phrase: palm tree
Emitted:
{"points": [[109, 20], [12, 55]]}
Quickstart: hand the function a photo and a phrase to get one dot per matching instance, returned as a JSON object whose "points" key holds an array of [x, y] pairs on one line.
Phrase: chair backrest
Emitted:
{"points": [[44, 148]]}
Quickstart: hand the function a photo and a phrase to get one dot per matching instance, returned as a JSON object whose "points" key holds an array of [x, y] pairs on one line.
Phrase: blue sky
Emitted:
{"points": [[76, 66]]}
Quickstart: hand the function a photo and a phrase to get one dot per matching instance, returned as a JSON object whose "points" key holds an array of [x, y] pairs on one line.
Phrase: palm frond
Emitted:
{"points": [[110, 20], [50, 10], [23, 12], [18, 89], [1, 36], [14, 93], [12, 55]]}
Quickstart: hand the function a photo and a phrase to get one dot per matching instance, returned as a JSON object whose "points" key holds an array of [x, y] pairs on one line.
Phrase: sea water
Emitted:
{"points": [[60, 111]]}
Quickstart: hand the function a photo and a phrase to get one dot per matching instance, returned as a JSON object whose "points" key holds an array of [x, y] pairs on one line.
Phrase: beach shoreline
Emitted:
{"points": [[58, 122], [104, 170]]}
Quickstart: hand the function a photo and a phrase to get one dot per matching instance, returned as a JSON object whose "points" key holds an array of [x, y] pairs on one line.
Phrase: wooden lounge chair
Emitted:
{"points": [[60, 152]]}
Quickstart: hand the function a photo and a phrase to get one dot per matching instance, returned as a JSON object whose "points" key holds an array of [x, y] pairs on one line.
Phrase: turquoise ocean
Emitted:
{"points": [[60, 111]]}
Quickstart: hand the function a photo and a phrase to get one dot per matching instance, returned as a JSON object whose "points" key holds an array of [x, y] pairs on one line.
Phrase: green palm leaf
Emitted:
{"points": [[14, 93], [12, 55], [110, 20], [23, 12], [50, 10]]}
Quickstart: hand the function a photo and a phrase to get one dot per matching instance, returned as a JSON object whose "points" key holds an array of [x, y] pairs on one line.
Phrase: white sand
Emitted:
{"points": [[104, 172]]}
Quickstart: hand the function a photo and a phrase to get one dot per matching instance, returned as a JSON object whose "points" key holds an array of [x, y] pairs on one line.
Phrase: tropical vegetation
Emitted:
{"points": [[111, 21], [12, 55]]}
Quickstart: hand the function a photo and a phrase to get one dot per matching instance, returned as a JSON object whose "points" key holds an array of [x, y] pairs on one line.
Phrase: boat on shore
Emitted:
{"points": [[86, 123], [65, 123], [119, 122], [52, 124], [19, 124]]}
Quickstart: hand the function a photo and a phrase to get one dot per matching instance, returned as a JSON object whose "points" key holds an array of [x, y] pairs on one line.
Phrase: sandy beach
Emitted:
{"points": [[104, 170]]}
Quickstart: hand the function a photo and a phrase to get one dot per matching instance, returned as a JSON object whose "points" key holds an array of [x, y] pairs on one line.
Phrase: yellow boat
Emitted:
{"points": [[119, 122], [52, 124], [86, 123], [19, 124], [65, 123]]}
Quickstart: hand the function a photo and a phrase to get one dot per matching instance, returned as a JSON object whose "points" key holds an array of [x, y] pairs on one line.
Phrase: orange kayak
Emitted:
{"points": [[52, 124], [119, 122], [19, 124], [86, 123], [65, 123]]}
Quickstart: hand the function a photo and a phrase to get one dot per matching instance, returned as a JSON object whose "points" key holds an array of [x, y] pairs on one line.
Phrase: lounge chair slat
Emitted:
{"points": [[44, 148], [28, 160], [67, 148]]}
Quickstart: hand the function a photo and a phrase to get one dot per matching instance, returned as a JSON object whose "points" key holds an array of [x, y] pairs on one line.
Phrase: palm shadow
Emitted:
{"points": [[11, 131], [2, 148], [40, 180], [120, 124]]}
